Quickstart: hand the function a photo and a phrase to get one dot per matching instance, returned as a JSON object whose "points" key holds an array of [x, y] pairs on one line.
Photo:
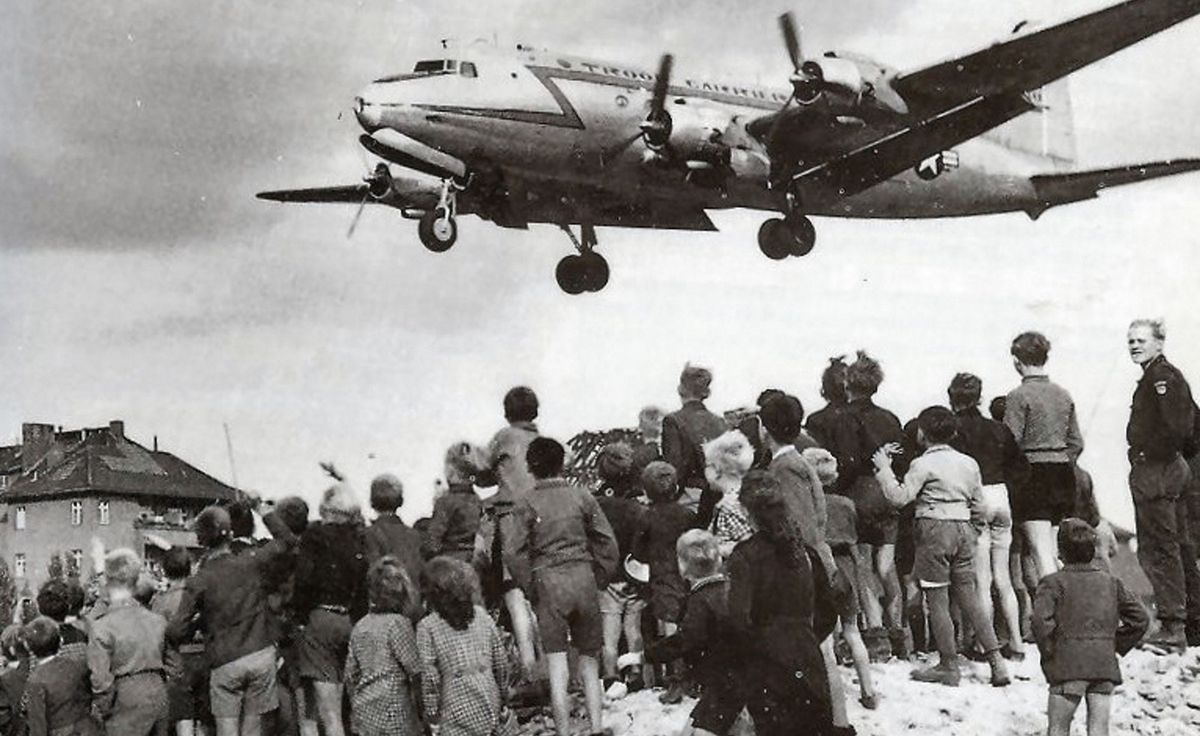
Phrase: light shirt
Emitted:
{"points": [[944, 482]]}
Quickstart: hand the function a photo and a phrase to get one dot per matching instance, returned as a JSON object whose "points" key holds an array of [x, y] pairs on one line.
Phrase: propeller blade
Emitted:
{"points": [[662, 83], [357, 214], [791, 38]]}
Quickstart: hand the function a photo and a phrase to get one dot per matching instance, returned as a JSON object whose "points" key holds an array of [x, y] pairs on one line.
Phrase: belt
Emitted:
{"points": [[135, 673], [339, 610], [1141, 457]]}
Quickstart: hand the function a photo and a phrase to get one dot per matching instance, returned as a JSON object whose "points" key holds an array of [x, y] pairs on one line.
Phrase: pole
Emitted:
{"points": [[229, 451]]}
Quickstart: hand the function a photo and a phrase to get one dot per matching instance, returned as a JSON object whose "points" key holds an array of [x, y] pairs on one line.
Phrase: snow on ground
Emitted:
{"points": [[1160, 697]]}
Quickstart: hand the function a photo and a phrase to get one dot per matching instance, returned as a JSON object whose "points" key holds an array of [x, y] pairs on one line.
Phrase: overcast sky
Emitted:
{"points": [[142, 280]]}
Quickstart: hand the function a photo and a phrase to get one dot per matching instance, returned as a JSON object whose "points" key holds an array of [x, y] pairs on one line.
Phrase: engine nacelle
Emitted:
{"points": [[698, 135], [841, 73]]}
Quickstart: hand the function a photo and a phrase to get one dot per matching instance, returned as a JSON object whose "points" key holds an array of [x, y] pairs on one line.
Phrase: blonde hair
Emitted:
{"points": [[122, 567], [1158, 327], [698, 552], [339, 506], [464, 461], [823, 462], [727, 460]]}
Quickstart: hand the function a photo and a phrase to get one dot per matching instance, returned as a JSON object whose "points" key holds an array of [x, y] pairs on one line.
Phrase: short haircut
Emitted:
{"points": [[520, 404], [53, 600], [241, 519], [545, 458], [783, 417], [615, 462], [387, 493], [1158, 327], [339, 505], [213, 527], [1076, 541], [122, 567], [1031, 348], [695, 382], [41, 636], [938, 424], [451, 588], [997, 408], [293, 511], [145, 588], [767, 394], [390, 588], [864, 375], [698, 553], [965, 390], [650, 420], [177, 563], [833, 381], [660, 482]]}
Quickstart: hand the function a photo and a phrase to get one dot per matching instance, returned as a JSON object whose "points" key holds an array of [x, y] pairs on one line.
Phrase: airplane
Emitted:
{"points": [[541, 137]]}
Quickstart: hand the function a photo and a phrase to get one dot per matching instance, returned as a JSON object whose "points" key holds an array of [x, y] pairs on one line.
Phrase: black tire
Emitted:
{"points": [[773, 239], [802, 235], [437, 231], [595, 271], [571, 274]]}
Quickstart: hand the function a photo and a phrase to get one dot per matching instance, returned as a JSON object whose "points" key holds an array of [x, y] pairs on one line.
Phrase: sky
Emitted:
{"points": [[142, 280]]}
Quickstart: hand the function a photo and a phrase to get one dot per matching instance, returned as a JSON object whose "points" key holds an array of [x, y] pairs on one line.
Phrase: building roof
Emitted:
{"points": [[104, 461]]}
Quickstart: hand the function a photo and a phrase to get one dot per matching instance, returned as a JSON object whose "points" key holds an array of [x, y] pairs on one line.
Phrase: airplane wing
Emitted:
{"points": [[956, 100], [351, 194], [1075, 186]]}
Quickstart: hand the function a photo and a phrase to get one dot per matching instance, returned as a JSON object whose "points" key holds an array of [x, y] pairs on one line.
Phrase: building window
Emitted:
{"points": [[19, 565], [76, 562], [102, 510], [76, 513], [20, 517]]}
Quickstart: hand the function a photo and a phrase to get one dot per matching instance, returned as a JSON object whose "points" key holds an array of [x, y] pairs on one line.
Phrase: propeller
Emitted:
{"points": [[656, 129], [808, 79], [379, 183]]}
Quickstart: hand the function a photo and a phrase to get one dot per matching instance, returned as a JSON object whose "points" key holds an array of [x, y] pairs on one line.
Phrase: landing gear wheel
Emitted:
{"points": [[595, 270], [773, 239], [572, 275], [802, 235], [437, 230]]}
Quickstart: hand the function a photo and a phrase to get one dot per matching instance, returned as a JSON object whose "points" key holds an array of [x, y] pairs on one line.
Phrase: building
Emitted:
{"points": [[60, 490]]}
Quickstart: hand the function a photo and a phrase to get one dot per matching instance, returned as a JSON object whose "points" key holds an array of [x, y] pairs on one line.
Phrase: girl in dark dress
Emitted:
{"points": [[780, 608]]}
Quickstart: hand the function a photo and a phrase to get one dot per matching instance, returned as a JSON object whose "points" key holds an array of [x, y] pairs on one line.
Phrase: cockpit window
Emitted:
{"points": [[435, 67], [467, 69]]}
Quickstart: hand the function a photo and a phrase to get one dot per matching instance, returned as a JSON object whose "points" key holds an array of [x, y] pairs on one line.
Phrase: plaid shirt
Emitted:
{"points": [[464, 674], [731, 523], [383, 661]]}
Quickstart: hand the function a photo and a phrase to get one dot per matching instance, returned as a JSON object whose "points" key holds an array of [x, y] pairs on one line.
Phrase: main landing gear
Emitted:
{"points": [[585, 271], [792, 235], [438, 228]]}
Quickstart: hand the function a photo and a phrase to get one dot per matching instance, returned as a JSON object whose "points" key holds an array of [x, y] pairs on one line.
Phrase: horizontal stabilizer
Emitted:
{"points": [[1076, 186]]}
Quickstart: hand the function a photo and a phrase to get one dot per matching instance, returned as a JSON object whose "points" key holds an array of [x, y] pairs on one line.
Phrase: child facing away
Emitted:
{"points": [[464, 667], [456, 513], [58, 701], [13, 679], [61, 601], [383, 667], [1083, 618], [948, 490], [704, 638], [186, 666]]}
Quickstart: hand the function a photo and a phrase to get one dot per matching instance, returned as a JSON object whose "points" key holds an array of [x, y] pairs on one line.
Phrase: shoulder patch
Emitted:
{"points": [[1160, 387]]}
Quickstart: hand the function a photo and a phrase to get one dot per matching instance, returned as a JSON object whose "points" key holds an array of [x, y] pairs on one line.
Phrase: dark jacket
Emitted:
{"points": [[684, 434], [1083, 617], [58, 694], [12, 687], [665, 521], [993, 447], [558, 523], [1161, 420], [773, 607], [455, 522], [227, 600], [644, 453], [704, 640], [822, 424], [627, 518], [331, 570], [860, 430], [388, 535]]}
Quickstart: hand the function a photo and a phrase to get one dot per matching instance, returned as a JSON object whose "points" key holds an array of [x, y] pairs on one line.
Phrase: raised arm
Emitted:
{"points": [[898, 494]]}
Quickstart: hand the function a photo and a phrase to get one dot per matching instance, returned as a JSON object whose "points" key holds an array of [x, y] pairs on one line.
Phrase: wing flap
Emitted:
{"points": [[1056, 189]]}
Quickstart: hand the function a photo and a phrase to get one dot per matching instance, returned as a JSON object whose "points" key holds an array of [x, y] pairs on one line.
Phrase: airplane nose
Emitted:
{"points": [[369, 115]]}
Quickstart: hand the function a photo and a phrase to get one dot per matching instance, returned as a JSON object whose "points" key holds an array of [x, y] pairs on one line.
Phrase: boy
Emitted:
{"points": [[704, 639], [55, 600], [13, 679], [1083, 619], [571, 552], [57, 699], [186, 670], [948, 491], [388, 535]]}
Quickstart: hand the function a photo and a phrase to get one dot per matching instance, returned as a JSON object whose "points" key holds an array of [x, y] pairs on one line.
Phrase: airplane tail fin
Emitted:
{"points": [[1075, 186], [1048, 131]]}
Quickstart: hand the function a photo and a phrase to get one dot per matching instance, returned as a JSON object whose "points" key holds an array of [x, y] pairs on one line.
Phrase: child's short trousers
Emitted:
{"points": [[621, 599], [567, 608], [1079, 688], [945, 552], [846, 564]]}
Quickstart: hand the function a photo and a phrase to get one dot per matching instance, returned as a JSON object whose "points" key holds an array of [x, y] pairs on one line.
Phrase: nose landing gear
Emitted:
{"points": [[585, 271], [438, 228]]}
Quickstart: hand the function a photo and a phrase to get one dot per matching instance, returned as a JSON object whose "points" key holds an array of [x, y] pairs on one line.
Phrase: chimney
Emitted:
{"points": [[156, 443], [116, 429], [36, 442]]}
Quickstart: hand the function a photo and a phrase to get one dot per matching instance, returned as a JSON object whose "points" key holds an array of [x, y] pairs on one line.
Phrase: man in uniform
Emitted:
{"points": [[1160, 429]]}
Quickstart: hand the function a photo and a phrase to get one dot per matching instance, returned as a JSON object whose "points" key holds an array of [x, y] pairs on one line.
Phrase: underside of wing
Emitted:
{"points": [[350, 194], [1056, 189]]}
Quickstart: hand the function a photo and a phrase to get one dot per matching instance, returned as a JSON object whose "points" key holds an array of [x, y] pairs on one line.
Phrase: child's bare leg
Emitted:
{"points": [[868, 598], [185, 728], [1059, 712], [306, 712], [885, 567], [1098, 705], [560, 707], [329, 707], [837, 688], [983, 572], [252, 724], [1007, 596], [593, 695], [633, 636], [1040, 538], [522, 623], [611, 623], [862, 661]]}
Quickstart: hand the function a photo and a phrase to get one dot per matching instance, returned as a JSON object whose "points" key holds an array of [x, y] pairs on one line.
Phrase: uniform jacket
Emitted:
{"points": [[1083, 618], [705, 639], [684, 434], [388, 535], [455, 522], [1161, 420], [57, 695], [992, 445], [507, 454], [558, 523], [1041, 416]]}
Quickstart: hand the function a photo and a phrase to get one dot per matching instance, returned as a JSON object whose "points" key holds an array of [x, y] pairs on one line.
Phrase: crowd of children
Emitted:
{"points": [[719, 560]]}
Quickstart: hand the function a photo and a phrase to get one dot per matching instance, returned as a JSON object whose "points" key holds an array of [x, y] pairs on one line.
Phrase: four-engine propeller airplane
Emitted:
{"points": [[548, 138]]}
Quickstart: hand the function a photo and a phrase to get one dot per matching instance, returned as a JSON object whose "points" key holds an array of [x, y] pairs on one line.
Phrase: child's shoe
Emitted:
{"points": [[898, 638], [870, 701], [1169, 639], [673, 694], [1013, 652], [942, 673], [879, 649], [1000, 676]]}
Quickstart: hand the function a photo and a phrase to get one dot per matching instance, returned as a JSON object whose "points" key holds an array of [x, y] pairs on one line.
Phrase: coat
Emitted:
{"points": [[455, 522], [803, 490], [1083, 618], [558, 523], [684, 435], [665, 521], [704, 639], [388, 535]]}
